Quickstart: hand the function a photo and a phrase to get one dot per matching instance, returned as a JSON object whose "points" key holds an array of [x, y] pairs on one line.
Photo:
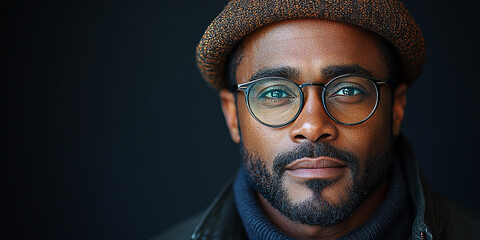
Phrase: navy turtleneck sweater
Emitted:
{"points": [[392, 220]]}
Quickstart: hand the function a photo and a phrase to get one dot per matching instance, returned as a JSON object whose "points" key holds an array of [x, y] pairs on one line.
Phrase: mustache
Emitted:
{"points": [[314, 150]]}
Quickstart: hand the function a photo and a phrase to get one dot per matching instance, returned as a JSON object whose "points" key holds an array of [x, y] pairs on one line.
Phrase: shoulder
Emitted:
{"points": [[180, 231], [448, 220]]}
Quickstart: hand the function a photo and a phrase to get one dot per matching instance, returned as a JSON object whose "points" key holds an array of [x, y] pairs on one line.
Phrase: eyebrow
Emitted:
{"points": [[338, 70], [293, 73], [284, 72]]}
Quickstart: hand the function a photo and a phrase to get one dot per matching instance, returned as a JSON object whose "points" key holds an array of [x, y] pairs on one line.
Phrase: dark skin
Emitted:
{"points": [[311, 47]]}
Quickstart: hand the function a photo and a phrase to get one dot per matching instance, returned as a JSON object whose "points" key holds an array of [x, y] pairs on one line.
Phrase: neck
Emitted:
{"points": [[309, 232]]}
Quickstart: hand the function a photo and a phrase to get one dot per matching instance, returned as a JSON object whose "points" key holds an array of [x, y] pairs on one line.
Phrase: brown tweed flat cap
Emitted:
{"points": [[387, 18]]}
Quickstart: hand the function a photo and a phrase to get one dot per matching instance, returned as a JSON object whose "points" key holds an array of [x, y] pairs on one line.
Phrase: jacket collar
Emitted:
{"points": [[415, 188], [221, 218]]}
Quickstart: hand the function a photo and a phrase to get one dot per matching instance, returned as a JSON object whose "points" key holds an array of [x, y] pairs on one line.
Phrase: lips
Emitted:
{"points": [[311, 163], [322, 167]]}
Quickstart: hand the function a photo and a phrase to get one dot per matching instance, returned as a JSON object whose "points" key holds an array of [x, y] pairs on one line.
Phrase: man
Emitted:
{"points": [[315, 93]]}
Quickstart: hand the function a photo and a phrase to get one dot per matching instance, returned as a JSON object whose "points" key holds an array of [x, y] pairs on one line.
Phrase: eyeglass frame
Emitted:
{"points": [[245, 88]]}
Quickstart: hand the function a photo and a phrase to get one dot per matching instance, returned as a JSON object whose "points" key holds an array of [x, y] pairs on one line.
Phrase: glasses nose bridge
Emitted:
{"points": [[312, 84], [305, 96]]}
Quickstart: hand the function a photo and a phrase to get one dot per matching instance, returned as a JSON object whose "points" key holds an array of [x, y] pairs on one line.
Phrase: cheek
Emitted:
{"points": [[251, 131], [373, 136], [265, 142]]}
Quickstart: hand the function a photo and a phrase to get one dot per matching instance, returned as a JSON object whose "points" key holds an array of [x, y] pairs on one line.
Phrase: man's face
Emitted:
{"points": [[314, 165]]}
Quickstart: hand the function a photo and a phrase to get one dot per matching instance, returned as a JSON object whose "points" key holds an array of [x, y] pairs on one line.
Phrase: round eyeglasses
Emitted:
{"points": [[348, 99]]}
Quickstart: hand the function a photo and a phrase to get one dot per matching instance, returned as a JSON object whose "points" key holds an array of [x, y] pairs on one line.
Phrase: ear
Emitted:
{"points": [[229, 108], [399, 104]]}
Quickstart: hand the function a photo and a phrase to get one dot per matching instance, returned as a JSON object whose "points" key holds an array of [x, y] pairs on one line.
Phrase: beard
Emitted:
{"points": [[317, 210]]}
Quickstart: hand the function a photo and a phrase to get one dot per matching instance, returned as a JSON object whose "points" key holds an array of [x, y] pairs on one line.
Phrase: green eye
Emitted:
{"points": [[348, 91], [275, 94]]}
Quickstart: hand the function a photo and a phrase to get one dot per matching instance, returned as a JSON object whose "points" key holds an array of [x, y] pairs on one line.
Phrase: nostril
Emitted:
{"points": [[300, 137], [312, 138]]}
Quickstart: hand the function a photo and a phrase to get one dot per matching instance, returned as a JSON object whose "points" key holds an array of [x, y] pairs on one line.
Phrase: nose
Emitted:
{"points": [[313, 124]]}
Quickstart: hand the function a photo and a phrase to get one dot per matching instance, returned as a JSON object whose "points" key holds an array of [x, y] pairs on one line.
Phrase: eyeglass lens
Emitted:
{"points": [[278, 101]]}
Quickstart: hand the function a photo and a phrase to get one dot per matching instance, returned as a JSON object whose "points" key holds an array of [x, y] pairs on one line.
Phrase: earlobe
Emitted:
{"points": [[229, 108], [399, 104]]}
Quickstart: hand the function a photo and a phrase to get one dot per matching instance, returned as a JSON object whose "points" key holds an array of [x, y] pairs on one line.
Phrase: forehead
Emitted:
{"points": [[310, 45]]}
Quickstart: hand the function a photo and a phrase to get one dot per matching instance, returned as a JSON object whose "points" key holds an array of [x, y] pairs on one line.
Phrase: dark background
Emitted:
{"points": [[109, 132]]}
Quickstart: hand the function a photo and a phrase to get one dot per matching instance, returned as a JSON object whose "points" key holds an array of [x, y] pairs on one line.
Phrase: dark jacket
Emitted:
{"points": [[436, 218]]}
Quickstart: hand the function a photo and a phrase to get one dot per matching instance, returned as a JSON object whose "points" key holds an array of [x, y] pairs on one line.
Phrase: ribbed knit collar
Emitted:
{"points": [[392, 220]]}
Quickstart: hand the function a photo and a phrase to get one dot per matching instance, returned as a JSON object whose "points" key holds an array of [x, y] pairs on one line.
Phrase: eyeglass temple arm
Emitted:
{"points": [[236, 87]]}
